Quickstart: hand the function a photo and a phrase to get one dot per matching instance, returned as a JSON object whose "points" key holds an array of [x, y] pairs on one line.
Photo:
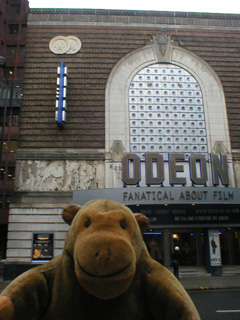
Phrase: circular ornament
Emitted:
{"points": [[75, 44], [59, 45]]}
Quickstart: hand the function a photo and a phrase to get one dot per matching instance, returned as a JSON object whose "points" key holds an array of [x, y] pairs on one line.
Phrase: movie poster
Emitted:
{"points": [[42, 246], [214, 247]]}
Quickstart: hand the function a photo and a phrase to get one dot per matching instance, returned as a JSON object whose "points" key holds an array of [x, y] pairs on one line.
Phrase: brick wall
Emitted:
{"points": [[88, 71]]}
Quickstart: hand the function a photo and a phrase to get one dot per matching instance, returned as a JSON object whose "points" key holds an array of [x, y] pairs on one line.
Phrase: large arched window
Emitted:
{"points": [[192, 119], [166, 112]]}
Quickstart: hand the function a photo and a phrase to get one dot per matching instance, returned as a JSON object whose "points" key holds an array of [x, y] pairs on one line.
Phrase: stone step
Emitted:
{"points": [[192, 271], [188, 271], [230, 270]]}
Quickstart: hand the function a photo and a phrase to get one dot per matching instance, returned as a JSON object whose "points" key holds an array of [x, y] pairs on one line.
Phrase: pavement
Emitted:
{"points": [[195, 282], [211, 282]]}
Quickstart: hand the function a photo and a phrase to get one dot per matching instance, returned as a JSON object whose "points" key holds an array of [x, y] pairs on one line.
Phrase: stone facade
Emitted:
{"points": [[86, 154]]}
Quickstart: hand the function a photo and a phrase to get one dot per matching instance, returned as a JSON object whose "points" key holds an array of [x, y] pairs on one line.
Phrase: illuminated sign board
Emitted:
{"points": [[197, 167], [61, 96], [42, 247], [161, 195]]}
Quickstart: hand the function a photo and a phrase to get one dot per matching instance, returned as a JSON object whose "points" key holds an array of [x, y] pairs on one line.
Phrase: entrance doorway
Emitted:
{"points": [[230, 246], [186, 243], [192, 246], [161, 244], [154, 243]]}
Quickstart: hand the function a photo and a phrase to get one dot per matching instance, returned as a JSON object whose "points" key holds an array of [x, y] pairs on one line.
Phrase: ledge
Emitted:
{"points": [[40, 199], [59, 154]]}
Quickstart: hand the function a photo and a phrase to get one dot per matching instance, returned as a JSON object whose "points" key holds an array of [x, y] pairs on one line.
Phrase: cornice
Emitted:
{"points": [[139, 13]]}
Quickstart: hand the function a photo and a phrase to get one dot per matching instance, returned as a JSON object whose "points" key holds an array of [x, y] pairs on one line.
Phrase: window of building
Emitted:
{"points": [[17, 92], [2, 173], [2, 118], [20, 72], [11, 173], [22, 50], [4, 93], [11, 50], [15, 117], [23, 29], [13, 28], [5, 147], [15, 120], [166, 112], [13, 146], [15, 8]]}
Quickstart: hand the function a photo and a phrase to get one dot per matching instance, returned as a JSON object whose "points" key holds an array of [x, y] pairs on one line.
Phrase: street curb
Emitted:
{"points": [[211, 288]]}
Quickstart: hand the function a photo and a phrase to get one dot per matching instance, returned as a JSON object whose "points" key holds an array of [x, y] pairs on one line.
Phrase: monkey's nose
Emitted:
{"points": [[102, 255]]}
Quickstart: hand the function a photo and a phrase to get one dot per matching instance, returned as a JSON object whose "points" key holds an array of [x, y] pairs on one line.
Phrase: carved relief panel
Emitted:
{"points": [[33, 175]]}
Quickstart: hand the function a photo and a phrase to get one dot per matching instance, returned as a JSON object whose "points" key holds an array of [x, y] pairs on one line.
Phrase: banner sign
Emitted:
{"points": [[161, 195], [174, 205]]}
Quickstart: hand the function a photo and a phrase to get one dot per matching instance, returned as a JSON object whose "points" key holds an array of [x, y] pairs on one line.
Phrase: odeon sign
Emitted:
{"points": [[155, 193], [198, 169]]}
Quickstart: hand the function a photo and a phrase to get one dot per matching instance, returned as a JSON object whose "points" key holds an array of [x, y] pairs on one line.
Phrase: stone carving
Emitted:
{"points": [[117, 150], [161, 40], [59, 45], [161, 46], [219, 147], [75, 45], [66, 175], [65, 45]]}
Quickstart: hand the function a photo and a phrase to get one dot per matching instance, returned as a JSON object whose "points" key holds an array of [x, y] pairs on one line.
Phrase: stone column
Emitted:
{"points": [[166, 248]]}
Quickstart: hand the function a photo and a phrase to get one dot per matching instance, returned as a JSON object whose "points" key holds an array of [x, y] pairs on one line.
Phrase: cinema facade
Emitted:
{"points": [[146, 113]]}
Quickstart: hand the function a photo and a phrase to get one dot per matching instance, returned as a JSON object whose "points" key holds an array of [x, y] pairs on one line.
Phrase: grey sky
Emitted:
{"points": [[214, 6]]}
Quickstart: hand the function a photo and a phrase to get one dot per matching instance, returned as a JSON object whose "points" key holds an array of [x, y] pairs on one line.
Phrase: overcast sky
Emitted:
{"points": [[211, 6]]}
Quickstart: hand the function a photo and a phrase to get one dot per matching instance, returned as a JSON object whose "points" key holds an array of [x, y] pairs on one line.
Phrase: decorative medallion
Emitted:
{"points": [[65, 45], [75, 44]]}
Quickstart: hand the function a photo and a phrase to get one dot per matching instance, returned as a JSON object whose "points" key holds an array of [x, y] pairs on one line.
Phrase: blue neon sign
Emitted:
{"points": [[61, 96]]}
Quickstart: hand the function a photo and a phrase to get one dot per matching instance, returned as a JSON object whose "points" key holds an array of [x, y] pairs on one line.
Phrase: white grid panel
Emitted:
{"points": [[166, 112]]}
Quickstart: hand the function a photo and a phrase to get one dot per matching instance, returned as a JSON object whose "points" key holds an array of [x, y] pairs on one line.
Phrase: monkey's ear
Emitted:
{"points": [[69, 212], [142, 221]]}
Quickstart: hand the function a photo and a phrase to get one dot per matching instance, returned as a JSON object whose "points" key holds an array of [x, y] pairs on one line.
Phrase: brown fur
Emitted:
{"points": [[105, 272]]}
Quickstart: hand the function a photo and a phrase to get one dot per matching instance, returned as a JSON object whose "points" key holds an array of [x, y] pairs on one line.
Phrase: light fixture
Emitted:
{"points": [[152, 233]]}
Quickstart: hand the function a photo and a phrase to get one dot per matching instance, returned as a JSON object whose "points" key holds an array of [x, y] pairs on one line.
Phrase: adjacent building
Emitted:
{"points": [[13, 27], [137, 106]]}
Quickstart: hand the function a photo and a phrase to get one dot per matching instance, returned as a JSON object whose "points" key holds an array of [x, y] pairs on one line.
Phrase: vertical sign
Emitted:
{"points": [[214, 247], [61, 96]]}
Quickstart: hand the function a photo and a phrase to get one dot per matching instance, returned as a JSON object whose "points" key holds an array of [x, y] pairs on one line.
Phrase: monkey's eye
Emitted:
{"points": [[123, 224], [87, 223]]}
